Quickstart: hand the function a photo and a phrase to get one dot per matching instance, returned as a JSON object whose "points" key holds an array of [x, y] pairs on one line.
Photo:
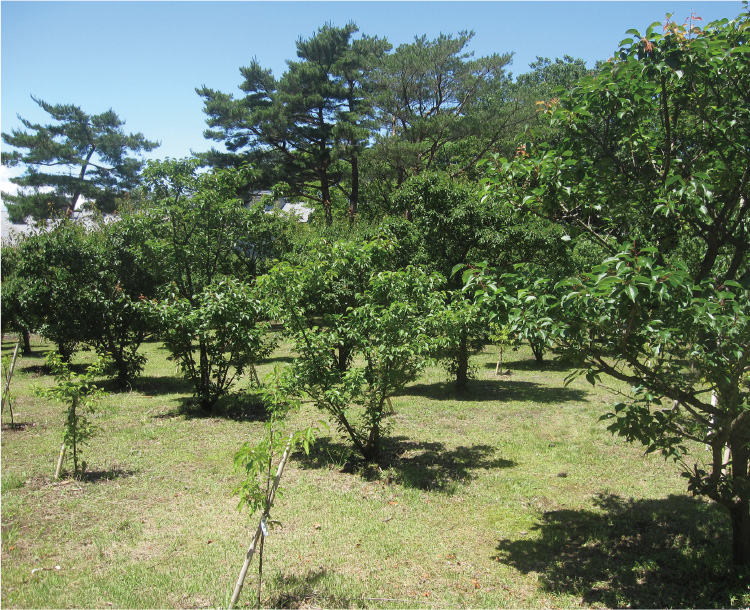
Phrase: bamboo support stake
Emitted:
{"points": [[60, 460], [254, 375], [259, 530], [726, 453], [391, 410], [7, 381]]}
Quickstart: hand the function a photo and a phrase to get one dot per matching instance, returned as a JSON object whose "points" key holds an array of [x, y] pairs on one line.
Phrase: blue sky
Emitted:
{"points": [[144, 59]]}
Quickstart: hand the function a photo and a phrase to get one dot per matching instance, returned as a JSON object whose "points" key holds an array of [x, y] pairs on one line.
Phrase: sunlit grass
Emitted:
{"points": [[514, 495]]}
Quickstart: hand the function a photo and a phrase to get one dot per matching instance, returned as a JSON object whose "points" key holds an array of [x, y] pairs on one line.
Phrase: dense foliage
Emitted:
{"points": [[653, 166], [215, 336], [361, 333]]}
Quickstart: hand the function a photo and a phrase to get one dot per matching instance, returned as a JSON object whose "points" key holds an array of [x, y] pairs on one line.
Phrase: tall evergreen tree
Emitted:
{"points": [[94, 149], [306, 111], [356, 116], [432, 94], [542, 85], [296, 129]]}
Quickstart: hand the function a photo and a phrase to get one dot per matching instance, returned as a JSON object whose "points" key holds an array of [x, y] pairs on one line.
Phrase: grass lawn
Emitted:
{"points": [[512, 496]]}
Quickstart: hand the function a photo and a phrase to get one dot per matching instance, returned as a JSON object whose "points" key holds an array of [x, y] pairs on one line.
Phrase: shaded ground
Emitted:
{"points": [[633, 553], [505, 389], [430, 466]]}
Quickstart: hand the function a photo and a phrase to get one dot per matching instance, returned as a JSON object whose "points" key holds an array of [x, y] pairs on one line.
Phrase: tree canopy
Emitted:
{"points": [[79, 157], [300, 128], [652, 165]]}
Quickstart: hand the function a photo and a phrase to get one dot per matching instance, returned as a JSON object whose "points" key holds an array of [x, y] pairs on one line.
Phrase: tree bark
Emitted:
{"points": [[354, 197], [344, 356], [740, 516], [371, 451], [325, 188], [81, 176], [26, 342], [538, 351], [121, 364], [204, 392], [739, 511], [66, 350], [462, 364], [74, 439]]}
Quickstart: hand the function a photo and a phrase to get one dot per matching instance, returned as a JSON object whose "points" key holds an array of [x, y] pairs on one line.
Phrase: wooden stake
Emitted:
{"points": [[60, 460], [499, 359], [259, 530], [391, 410], [260, 569], [254, 375], [8, 376]]}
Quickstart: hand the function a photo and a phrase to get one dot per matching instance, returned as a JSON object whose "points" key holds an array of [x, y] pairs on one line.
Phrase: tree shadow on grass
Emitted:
{"points": [[42, 370], [551, 363], [509, 390], [672, 552], [499, 390], [34, 370], [430, 466], [97, 476], [327, 453], [36, 351], [149, 385], [279, 359], [18, 426], [153, 385], [302, 591], [238, 406]]}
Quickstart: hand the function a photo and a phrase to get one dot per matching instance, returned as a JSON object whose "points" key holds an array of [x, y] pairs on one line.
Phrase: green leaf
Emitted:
{"points": [[632, 292]]}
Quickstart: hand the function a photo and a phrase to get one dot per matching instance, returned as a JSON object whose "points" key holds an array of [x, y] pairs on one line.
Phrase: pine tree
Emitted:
{"points": [[305, 128], [441, 109], [93, 148]]}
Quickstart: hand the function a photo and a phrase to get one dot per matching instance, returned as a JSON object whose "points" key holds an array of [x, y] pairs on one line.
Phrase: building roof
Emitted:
{"points": [[10, 230], [298, 209]]}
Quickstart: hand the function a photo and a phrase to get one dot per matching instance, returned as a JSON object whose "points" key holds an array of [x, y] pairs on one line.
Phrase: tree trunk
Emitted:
{"points": [[371, 451], [81, 176], [26, 342], [342, 361], [739, 511], [325, 193], [66, 350], [462, 364], [354, 197], [538, 351], [204, 391], [121, 364], [740, 516], [74, 437]]}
